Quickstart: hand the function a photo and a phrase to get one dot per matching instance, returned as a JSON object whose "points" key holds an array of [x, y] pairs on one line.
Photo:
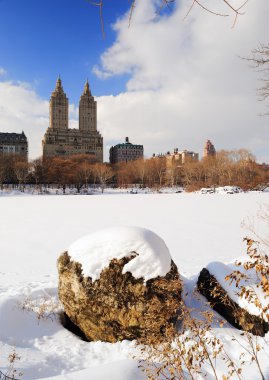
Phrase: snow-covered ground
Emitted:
{"points": [[34, 230]]}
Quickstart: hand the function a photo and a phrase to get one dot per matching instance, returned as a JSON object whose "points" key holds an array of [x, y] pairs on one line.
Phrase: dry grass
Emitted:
{"points": [[47, 307]]}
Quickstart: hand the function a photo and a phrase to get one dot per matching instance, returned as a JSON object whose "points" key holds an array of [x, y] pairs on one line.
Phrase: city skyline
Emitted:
{"points": [[207, 93]]}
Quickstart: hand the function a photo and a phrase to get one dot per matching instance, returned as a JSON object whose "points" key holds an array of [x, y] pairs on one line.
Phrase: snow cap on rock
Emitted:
{"points": [[220, 271], [95, 251]]}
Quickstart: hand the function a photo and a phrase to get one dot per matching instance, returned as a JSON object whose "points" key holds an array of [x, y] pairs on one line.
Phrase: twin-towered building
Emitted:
{"points": [[60, 140]]}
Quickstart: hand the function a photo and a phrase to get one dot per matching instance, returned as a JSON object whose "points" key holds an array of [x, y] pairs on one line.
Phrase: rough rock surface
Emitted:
{"points": [[118, 306], [209, 287]]}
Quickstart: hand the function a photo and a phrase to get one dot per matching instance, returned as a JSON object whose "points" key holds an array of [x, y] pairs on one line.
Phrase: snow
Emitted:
{"points": [[96, 250], [35, 230], [104, 372], [228, 189]]}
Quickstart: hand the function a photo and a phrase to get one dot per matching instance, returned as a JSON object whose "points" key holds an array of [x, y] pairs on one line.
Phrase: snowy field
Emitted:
{"points": [[34, 230]]}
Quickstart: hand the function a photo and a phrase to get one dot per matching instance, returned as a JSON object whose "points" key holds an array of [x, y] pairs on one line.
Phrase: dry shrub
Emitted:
{"points": [[196, 347], [11, 372], [186, 355], [193, 187], [258, 263], [47, 307]]}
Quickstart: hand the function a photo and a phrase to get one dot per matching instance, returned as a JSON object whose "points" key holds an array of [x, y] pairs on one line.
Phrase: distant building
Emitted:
{"points": [[209, 150], [125, 152], [180, 157], [60, 140], [14, 143], [188, 156]]}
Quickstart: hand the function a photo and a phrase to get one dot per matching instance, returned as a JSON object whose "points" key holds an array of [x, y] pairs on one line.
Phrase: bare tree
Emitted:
{"points": [[86, 169], [260, 60], [83, 168], [140, 169], [2, 171], [61, 171], [37, 172], [21, 170], [103, 173], [159, 169], [173, 171]]}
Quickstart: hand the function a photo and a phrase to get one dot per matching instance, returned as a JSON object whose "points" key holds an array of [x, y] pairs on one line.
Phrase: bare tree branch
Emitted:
{"points": [[236, 11], [207, 9], [100, 5], [260, 60], [166, 4], [131, 12]]}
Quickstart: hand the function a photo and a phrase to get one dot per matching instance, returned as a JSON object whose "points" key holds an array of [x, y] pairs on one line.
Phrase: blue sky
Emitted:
{"points": [[166, 82], [39, 39]]}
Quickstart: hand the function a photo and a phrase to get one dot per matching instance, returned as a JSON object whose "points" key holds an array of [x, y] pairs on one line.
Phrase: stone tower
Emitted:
{"points": [[58, 108], [87, 111]]}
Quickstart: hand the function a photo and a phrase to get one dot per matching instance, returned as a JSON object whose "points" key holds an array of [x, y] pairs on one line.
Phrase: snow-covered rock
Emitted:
{"points": [[224, 297], [95, 251], [120, 283]]}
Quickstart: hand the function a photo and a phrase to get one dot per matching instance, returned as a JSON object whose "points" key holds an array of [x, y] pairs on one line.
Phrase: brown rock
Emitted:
{"points": [[118, 306], [209, 287]]}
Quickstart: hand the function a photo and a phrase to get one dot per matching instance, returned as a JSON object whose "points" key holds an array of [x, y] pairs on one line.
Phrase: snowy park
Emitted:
{"points": [[34, 230]]}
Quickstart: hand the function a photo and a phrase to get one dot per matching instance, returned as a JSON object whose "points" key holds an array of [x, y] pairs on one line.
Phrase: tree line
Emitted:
{"points": [[236, 168]]}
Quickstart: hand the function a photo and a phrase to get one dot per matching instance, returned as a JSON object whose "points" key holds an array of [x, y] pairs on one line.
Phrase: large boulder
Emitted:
{"points": [[120, 283], [224, 297]]}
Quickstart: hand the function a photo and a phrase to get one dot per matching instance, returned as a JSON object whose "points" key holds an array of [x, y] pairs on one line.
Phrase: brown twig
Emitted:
{"points": [[100, 5], [131, 12], [209, 10], [236, 11], [166, 3]]}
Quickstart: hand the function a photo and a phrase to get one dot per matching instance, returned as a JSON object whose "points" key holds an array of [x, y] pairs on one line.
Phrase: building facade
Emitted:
{"points": [[60, 140], [14, 143], [179, 157], [209, 149], [125, 152]]}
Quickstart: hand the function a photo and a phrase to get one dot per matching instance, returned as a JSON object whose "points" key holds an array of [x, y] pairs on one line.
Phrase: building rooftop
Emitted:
{"points": [[127, 143], [10, 137]]}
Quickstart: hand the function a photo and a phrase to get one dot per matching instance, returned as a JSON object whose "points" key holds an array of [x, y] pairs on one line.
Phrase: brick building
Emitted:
{"points": [[125, 152]]}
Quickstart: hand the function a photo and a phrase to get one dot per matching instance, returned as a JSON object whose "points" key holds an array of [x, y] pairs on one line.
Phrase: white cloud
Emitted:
{"points": [[187, 82], [2, 71], [101, 74], [22, 109]]}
